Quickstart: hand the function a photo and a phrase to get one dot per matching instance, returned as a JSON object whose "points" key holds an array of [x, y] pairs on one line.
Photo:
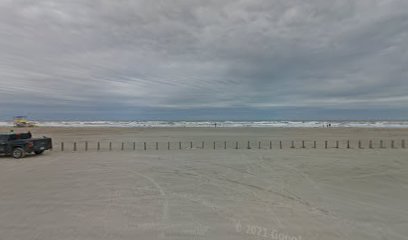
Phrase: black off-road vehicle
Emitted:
{"points": [[19, 144]]}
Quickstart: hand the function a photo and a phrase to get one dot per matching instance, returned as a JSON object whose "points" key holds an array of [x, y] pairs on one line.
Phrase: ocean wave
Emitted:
{"points": [[192, 124]]}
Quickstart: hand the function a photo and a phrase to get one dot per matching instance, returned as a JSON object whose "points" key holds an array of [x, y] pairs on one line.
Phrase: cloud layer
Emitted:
{"points": [[187, 54]]}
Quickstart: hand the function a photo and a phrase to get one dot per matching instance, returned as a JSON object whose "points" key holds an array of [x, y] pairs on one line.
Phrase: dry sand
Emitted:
{"points": [[208, 194]]}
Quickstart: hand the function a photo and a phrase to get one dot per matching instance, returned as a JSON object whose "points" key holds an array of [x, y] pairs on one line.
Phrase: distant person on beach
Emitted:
{"points": [[215, 124]]}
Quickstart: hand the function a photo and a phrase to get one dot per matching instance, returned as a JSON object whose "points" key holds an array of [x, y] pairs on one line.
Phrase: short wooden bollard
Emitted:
{"points": [[202, 145], [392, 144], [325, 144], [314, 145], [180, 145], [249, 145], [402, 143], [381, 144], [134, 146], [259, 145], [359, 144], [236, 145], [337, 144], [371, 144], [144, 146], [191, 145], [157, 146], [348, 143], [86, 146], [225, 144], [214, 145], [168, 145], [280, 144], [110, 146], [123, 146], [270, 144], [98, 147], [303, 144], [75, 146], [293, 144]]}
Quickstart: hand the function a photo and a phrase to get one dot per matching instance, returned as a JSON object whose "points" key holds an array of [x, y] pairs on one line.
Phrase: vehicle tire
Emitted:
{"points": [[39, 152], [18, 153]]}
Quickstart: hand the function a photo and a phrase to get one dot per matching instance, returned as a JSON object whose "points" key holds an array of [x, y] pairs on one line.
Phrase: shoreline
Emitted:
{"points": [[402, 124], [207, 127]]}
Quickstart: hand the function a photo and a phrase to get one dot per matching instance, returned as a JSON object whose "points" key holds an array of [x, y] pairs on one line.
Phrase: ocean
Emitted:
{"points": [[231, 124]]}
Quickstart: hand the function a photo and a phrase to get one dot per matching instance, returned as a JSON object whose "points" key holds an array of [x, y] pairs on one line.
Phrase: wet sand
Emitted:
{"points": [[205, 193], [219, 135]]}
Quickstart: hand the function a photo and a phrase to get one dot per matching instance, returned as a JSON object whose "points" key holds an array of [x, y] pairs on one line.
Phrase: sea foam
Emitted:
{"points": [[254, 124]]}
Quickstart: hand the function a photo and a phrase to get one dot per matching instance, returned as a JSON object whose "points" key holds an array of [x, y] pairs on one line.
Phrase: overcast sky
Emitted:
{"points": [[187, 59]]}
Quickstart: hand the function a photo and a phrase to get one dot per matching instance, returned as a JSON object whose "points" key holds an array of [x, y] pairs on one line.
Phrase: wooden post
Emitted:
{"points": [[62, 146], [249, 145], [236, 145], [371, 144], [314, 144], [144, 146], [270, 144], [225, 144], [157, 146], [134, 146], [403, 143], [337, 144], [191, 145], [293, 144], [122, 146], [348, 143], [280, 144], [325, 144], [202, 145], [381, 144], [179, 145], [168, 145], [259, 145], [98, 147], [75, 146], [86, 146], [214, 145], [392, 143], [110, 146], [359, 144], [303, 144]]}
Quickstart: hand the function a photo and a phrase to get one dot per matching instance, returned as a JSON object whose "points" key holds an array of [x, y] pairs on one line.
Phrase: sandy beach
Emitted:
{"points": [[186, 136], [194, 193]]}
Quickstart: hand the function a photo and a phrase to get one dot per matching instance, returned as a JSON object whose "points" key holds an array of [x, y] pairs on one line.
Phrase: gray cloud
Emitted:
{"points": [[203, 54]]}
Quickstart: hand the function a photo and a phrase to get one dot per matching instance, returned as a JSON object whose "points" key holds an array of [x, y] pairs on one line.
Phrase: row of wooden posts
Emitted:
{"points": [[249, 146]]}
